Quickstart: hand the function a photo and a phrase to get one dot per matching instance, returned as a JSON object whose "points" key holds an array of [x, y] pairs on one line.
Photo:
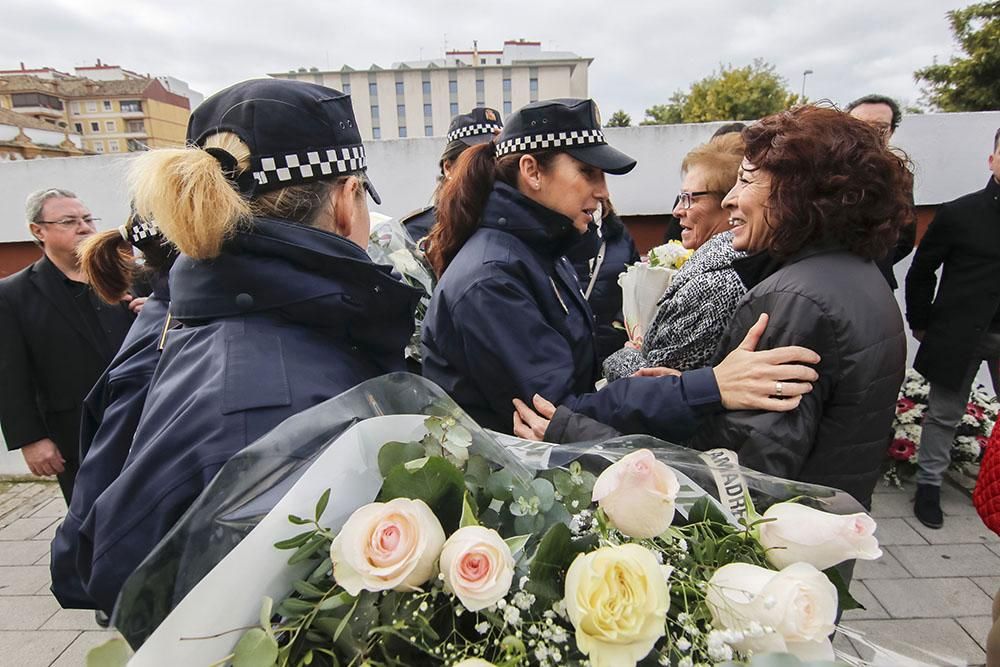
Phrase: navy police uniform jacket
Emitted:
{"points": [[418, 224], [110, 416], [285, 318], [508, 320], [606, 297]]}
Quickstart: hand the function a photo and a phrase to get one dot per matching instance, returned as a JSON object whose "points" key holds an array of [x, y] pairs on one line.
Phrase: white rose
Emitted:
{"points": [[384, 546], [800, 533], [477, 566], [637, 494], [474, 662], [617, 600], [799, 603]]}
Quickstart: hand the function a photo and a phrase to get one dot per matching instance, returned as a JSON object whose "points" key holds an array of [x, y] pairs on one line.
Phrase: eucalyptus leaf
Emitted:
{"points": [[255, 649], [266, 612], [393, 454], [500, 484], [112, 653], [438, 483], [477, 469], [845, 600], [295, 542], [321, 504]]}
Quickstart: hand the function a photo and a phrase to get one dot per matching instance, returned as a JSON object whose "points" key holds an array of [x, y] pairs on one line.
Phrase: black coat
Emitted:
{"points": [[964, 237], [836, 304], [49, 358], [606, 297]]}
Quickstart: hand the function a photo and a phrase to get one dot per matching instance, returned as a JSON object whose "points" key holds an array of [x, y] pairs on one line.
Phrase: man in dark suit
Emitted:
{"points": [[958, 327], [56, 338]]}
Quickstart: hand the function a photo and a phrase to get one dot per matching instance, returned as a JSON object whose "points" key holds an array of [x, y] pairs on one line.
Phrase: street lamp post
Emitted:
{"points": [[804, 75]]}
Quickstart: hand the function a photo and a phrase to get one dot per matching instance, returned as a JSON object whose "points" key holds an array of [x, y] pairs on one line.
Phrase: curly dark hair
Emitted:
{"points": [[832, 180]]}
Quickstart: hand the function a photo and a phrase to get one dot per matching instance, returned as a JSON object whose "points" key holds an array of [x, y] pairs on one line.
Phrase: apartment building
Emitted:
{"points": [[418, 98], [112, 109]]}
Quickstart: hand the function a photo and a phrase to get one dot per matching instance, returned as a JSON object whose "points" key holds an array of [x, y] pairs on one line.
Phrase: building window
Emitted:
{"points": [[402, 131], [75, 108], [374, 112], [498, 61], [482, 61], [95, 126], [113, 146], [109, 125], [401, 110], [107, 106], [346, 88], [506, 108], [506, 85], [78, 127], [399, 88], [427, 111], [453, 86], [427, 87], [373, 89], [533, 85], [133, 126], [92, 108], [480, 86], [35, 100], [131, 106], [98, 146], [428, 130], [376, 133], [453, 108], [134, 146]]}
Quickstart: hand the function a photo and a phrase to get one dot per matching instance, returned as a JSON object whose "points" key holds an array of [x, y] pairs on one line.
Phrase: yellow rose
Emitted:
{"points": [[617, 599]]}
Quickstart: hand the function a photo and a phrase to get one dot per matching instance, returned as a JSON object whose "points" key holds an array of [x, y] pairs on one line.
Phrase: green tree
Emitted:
{"points": [[734, 93], [972, 82], [619, 119]]}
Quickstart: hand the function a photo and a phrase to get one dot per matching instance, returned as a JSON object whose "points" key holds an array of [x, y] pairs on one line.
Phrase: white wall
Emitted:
{"points": [[949, 152]]}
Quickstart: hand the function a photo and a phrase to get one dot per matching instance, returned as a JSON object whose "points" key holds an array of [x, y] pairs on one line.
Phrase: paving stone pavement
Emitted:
{"points": [[931, 589]]}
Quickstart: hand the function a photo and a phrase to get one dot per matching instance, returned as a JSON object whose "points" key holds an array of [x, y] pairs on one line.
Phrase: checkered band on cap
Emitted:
{"points": [[474, 130], [295, 168], [135, 233], [533, 142]]}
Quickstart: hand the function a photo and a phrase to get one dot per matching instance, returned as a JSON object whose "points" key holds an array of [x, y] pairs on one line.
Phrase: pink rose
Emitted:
{"points": [[384, 546], [637, 494], [904, 404], [802, 534], [477, 566]]}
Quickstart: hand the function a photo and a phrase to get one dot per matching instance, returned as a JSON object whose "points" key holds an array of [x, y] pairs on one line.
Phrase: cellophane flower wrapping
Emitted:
{"points": [[971, 434], [221, 550], [644, 284], [390, 244]]}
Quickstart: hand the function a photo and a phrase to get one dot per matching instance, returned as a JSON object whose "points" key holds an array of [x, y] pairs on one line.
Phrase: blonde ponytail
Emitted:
{"points": [[186, 192]]}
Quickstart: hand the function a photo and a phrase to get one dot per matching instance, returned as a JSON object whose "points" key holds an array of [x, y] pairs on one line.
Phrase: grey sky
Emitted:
{"points": [[643, 51]]}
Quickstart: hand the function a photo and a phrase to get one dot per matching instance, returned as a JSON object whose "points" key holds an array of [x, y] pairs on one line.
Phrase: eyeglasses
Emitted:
{"points": [[66, 223], [686, 199]]}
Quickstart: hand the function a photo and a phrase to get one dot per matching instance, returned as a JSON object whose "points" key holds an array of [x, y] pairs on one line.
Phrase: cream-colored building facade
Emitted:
{"points": [[112, 109], [418, 98]]}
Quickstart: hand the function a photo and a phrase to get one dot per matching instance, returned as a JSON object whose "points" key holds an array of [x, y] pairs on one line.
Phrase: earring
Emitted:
{"points": [[537, 185]]}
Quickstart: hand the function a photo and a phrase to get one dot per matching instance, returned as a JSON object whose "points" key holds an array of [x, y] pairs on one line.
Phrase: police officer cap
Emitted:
{"points": [[476, 127], [297, 132], [570, 125]]}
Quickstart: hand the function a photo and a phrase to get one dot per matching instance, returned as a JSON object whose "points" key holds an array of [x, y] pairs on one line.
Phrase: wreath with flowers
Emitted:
{"points": [[971, 436]]}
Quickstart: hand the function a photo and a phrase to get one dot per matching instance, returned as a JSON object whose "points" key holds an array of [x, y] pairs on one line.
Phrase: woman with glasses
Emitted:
{"points": [[279, 305], [696, 308]]}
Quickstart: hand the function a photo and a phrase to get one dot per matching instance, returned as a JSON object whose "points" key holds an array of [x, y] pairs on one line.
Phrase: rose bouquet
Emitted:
{"points": [[440, 542], [971, 435], [390, 244], [644, 283]]}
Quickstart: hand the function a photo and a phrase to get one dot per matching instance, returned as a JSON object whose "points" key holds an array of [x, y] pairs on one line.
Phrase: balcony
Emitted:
{"points": [[41, 112]]}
